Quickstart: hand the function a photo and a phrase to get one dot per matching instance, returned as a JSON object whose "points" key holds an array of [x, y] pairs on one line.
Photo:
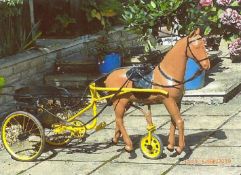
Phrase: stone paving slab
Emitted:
{"points": [[224, 138], [131, 169], [193, 137], [202, 122], [213, 110], [86, 152], [160, 110], [9, 166], [234, 123], [139, 123], [225, 156], [62, 168], [204, 170]]}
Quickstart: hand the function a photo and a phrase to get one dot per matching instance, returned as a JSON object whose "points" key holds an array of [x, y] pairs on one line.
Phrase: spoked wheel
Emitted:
{"points": [[56, 138], [23, 136], [153, 150], [61, 135]]}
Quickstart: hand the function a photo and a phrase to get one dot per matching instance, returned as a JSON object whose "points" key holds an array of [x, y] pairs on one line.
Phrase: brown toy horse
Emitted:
{"points": [[170, 75]]}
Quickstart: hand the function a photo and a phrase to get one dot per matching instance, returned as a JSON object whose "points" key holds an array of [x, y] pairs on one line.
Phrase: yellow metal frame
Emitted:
{"points": [[95, 97]]}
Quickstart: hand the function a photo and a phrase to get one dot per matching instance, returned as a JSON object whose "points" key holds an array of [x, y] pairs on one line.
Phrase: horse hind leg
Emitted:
{"points": [[120, 107]]}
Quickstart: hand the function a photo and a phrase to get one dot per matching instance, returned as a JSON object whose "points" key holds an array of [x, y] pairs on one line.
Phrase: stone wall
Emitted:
{"points": [[29, 67]]}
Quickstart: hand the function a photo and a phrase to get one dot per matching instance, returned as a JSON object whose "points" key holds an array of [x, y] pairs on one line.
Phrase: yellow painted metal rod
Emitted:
{"points": [[132, 90]]}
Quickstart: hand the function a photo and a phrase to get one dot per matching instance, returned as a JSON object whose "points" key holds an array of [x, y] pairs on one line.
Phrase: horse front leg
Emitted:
{"points": [[171, 137], [178, 122], [119, 107]]}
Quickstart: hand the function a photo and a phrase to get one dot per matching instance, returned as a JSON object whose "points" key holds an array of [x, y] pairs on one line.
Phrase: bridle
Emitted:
{"points": [[196, 74], [194, 57]]}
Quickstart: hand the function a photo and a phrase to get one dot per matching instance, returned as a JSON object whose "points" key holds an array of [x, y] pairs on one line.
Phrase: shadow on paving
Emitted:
{"points": [[92, 148], [211, 72]]}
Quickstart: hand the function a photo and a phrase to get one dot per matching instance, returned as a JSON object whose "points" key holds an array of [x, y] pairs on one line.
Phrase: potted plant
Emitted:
{"points": [[104, 11], [108, 55], [235, 50]]}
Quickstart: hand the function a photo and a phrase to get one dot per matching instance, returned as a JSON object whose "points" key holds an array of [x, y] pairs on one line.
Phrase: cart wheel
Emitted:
{"points": [[23, 136], [56, 139], [63, 136], [154, 150], [80, 131]]}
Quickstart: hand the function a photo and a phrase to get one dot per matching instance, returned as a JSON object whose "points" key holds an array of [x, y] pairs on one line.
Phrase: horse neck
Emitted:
{"points": [[174, 63]]}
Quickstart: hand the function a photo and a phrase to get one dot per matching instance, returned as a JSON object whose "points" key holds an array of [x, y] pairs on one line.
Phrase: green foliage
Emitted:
{"points": [[28, 39], [191, 15], [13, 2], [14, 36], [2, 82], [208, 18], [145, 17], [101, 10], [62, 22]]}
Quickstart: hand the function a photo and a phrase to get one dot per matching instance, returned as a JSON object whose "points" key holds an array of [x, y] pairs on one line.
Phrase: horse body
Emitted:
{"points": [[174, 65]]}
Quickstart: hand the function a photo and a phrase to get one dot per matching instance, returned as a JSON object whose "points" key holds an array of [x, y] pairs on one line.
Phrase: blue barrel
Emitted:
{"points": [[191, 68], [110, 62]]}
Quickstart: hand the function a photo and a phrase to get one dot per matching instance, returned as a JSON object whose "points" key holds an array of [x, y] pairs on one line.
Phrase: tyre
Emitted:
{"points": [[23, 136], [153, 150]]}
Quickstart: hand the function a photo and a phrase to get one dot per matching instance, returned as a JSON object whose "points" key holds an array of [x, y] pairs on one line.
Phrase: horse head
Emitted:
{"points": [[196, 49]]}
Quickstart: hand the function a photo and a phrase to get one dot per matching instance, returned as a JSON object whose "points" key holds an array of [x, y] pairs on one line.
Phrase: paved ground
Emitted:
{"points": [[212, 136]]}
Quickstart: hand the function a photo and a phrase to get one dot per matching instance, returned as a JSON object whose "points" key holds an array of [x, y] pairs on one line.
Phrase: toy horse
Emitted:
{"points": [[167, 75]]}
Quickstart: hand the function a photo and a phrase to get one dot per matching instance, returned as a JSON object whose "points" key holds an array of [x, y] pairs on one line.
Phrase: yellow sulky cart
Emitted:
{"points": [[46, 119]]}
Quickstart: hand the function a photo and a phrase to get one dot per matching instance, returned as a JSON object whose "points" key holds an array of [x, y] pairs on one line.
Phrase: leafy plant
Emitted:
{"points": [[12, 2], [216, 18], [145, 17], [101, 10], [209, 16], [14, 36], [62, 23], [28, 39]]}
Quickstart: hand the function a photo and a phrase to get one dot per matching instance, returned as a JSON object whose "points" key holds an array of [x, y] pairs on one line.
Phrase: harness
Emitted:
{"points": [[146, 77]]}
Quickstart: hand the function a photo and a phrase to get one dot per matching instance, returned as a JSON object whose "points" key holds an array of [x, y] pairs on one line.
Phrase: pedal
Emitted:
{"points": [[102, 125]]}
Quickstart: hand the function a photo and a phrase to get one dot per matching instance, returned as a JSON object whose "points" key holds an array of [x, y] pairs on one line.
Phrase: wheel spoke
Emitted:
{"points": [[23, 136]]}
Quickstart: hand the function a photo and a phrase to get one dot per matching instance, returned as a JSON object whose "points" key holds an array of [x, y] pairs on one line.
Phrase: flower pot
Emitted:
{"points": [[191, 68], [109, 63], [235, 58]]}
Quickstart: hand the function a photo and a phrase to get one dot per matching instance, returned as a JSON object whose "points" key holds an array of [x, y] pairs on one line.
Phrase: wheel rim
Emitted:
{"points": [[80, 131], [56, 139], [22, 137], [152, 150]]}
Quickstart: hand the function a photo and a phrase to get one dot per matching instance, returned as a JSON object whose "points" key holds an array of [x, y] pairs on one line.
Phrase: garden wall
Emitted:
{"points": [[29, 67]]}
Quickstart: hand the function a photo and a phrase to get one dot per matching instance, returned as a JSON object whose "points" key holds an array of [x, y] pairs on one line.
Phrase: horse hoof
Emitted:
{"points": [[113, 142], [170, 150], [129, 150], [178, 152]]}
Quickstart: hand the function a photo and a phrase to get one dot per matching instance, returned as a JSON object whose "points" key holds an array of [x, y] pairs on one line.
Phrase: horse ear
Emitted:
{"points": [[197, 31], [192, 33]]}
